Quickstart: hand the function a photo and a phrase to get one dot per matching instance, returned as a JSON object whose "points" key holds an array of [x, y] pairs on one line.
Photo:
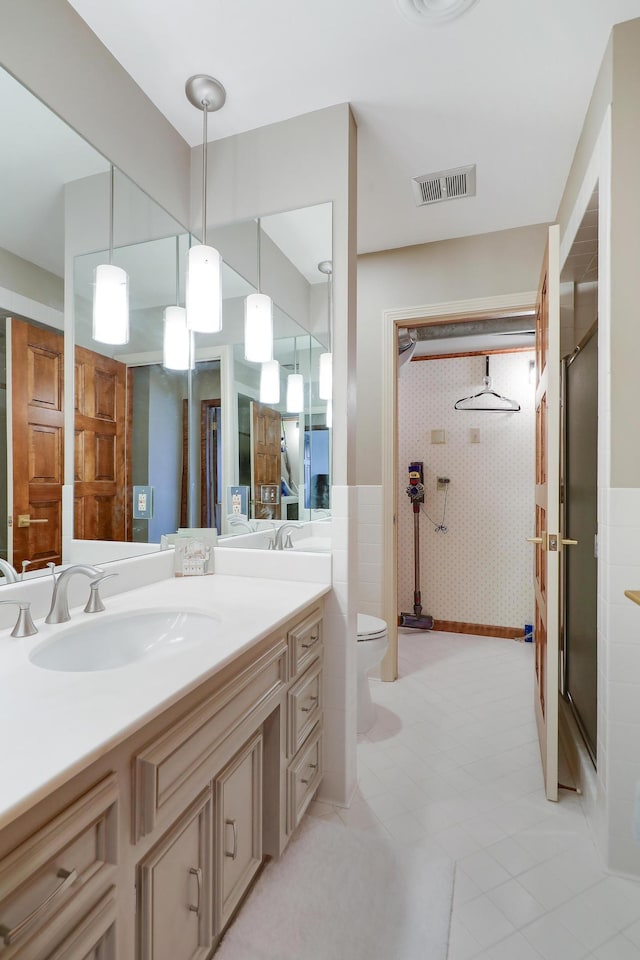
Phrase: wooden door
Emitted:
{"points": [[265, 458], [547, 512], [100, 432], [37, 423], [174, 896]]}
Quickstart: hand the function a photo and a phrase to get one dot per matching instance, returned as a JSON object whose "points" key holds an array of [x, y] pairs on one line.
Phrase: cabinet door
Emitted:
{"points": [[238, 827], [174, 890]]}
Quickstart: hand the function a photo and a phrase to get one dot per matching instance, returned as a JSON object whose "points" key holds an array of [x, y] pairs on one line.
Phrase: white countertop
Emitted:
{"points": [[53, 724]]}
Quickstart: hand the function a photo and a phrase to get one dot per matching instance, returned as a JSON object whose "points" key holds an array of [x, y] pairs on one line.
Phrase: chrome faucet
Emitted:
{"points": [[279, 543], [59, 612], [9, 573]]}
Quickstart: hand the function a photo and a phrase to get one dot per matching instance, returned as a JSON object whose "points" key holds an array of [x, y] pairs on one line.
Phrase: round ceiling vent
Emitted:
{"points": [[433, 11]]}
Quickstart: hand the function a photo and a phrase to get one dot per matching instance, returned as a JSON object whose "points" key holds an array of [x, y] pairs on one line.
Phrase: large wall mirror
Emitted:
{"points": [[152, 448]]}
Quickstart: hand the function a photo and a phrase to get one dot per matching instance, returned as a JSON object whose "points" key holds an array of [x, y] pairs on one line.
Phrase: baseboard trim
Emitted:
{"points": [[478, 629]]}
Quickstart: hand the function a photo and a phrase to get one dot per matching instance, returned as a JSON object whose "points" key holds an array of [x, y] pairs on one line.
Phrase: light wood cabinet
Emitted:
{"points": [[238, 792], [147, 853], [175, 890]]}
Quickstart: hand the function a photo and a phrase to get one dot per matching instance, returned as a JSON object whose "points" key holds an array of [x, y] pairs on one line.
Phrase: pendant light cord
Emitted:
{"points": [[111, 182], [205, 111], [177, 271], [259, 259]]}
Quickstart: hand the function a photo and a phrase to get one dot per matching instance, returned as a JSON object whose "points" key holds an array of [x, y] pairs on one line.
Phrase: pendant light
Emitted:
{"points": [[328, 417], [270, 382], [325, 373], [178, 339], [204, 265], [295, 386], [258, 320], [110, 293]]}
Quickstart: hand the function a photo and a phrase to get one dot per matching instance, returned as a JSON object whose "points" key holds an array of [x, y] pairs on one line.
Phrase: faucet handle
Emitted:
{"points": [[52, 568], [25, 627], [94, 603], [25, 564]]}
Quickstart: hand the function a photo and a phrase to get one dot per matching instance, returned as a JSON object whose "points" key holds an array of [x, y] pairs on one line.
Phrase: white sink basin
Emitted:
{"points": [[107, 642]]}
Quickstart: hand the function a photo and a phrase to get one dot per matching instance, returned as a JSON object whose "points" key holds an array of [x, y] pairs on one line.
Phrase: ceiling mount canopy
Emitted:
{"points": [[205, 92], [433, 11]]}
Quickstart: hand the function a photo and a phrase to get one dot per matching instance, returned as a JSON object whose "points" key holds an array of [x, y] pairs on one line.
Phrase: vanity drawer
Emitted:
{"points": [[305, 640], [58, 872], [303, 778], [183, 758], [304, 706]]}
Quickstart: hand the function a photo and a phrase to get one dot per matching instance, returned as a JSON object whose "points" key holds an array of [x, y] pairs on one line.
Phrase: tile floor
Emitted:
{"points": [[453, 761]]}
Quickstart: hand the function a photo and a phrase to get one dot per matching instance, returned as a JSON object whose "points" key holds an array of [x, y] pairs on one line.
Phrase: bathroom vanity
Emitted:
{"points": [[140, 836]]}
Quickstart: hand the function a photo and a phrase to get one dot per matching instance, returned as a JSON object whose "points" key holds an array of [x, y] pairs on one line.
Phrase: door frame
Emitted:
{"points": [[445, 312]]}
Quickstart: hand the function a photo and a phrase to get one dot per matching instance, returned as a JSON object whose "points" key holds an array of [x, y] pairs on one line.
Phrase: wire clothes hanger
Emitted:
{"points": [[466, 403]]}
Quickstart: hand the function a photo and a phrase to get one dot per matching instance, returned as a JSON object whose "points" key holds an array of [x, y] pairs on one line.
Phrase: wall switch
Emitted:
{"points": [[474, 435], [438, 436]]}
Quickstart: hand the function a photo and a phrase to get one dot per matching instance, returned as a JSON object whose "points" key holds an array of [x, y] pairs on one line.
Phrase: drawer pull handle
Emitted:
{"points": [[234, 852], [312, 639], [10, 936], [312, 766], [312, 701], [197, 873]]}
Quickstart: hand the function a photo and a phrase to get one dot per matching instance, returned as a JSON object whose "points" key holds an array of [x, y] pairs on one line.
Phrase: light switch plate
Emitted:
{"points": [[438, 436]]}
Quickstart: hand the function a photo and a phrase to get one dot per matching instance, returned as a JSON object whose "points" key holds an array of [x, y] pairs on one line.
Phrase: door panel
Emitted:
{"points": [[37, 417], [100, 425], [581, 580], [266, 458], [547, 516]]}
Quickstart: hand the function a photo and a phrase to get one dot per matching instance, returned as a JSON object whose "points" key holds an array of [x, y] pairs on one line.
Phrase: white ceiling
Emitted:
{"points": [[506, 87]]}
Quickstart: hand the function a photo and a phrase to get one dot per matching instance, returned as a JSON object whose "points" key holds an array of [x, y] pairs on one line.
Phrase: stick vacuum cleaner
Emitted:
{"points": [[415, 492]]}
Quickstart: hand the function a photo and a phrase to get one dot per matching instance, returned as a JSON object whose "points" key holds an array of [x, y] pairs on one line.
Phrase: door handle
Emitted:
{"points": [[24, 520], [569, 543], [534, 539], [197, 873], [234, 827]]}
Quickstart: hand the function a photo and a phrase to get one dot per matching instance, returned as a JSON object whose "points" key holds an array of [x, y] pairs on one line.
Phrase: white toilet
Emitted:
{"points": [[372, 646]]}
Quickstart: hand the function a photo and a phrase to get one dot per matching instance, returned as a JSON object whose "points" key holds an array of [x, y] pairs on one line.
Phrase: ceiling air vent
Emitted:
{"points": [[445, 185]]}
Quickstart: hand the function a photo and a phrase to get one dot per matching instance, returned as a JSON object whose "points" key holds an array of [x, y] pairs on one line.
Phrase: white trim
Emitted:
{"points": [[13, 302], [391, 319]]}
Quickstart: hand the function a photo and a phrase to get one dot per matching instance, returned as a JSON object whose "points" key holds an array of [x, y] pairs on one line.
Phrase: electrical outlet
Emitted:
{"points": [[443, 482]]}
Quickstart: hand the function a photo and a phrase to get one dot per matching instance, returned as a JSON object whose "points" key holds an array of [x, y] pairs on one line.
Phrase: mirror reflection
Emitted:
{"points": [[152, 448]]}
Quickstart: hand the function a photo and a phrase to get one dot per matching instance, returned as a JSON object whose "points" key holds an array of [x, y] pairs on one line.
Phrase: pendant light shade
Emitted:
{"points": [[328, 419], [110, 292], [325, 378], [258, 328], [177, 340], [204, 289], [110, 304], [270, 382], [295, 393], [258, 318], [204, 265]]}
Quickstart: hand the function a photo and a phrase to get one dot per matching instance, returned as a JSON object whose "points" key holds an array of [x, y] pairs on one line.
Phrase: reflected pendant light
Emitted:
{"points": [[325, 373], [178, 339], [177, 354], [258, 320], [270, 382], [204, 265], [295, 387], [328, 419], [110, 293]]}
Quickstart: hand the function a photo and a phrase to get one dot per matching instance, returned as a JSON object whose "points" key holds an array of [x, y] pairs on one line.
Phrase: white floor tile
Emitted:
{"points": [[453, 763]]}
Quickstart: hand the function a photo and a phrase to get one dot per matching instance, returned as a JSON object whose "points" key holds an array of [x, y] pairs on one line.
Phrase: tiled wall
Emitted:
{"points": [[480, 570], [370, 550], [619, 680], [339, 631]]}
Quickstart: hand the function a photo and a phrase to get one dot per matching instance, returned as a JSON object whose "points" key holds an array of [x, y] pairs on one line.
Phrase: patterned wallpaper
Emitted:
{"points": [[480, 570]]}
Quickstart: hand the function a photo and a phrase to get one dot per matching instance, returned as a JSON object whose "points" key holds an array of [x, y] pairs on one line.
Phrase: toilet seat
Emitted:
{"points": [[370, 628]]}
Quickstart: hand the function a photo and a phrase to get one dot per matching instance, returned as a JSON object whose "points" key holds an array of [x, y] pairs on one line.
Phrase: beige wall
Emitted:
{"points": [[483, 266], [52, 51], [28, 280]]}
